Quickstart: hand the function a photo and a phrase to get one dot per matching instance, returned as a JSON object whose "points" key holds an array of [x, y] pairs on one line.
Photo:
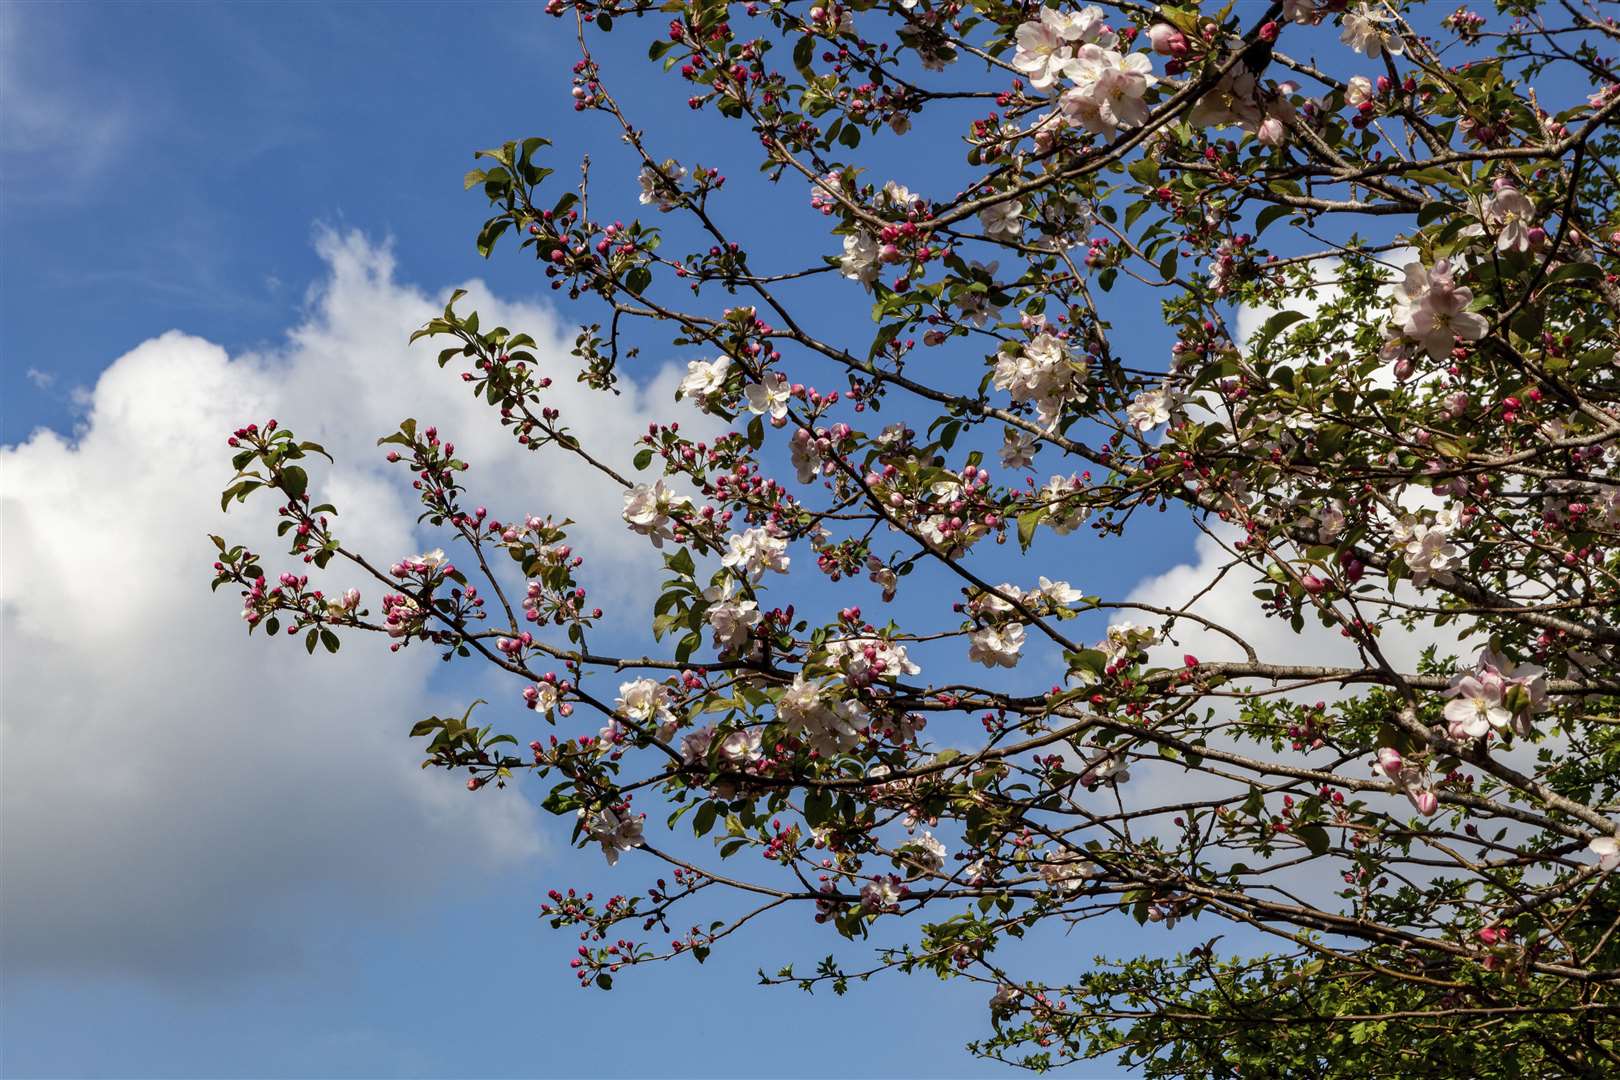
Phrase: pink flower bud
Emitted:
{"points": [[1166, 40], [1390, 761], [1427, 802]]}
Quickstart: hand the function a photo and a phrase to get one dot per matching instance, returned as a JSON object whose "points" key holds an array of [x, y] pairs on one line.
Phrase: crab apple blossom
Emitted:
{"points": [[996, 646], [705, 378], [769, 397], [752, 552], [1317, 301]]}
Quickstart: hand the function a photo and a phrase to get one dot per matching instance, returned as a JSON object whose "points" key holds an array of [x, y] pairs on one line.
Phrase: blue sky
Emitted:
{"points": [[263, 180]]}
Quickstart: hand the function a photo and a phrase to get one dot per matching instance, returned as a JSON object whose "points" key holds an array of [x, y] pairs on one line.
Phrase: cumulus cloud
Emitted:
{"points": [[171, 792]]}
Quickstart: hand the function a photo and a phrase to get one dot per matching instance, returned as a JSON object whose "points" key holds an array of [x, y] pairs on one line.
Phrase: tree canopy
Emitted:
{"points": [[1372, 808]]}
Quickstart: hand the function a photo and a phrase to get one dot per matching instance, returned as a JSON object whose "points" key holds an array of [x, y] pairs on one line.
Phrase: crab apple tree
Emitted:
{"points": [[1010, 287]]}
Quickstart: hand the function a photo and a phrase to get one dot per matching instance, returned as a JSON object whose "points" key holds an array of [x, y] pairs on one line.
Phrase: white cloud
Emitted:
{"points": [[172, 791]]}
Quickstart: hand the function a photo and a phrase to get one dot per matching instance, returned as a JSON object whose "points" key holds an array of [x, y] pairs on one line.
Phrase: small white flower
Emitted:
{"points": [[1513, 215], [732, 618], [1105, 767], [1067, 873], [645, 701], [926, 852], [1017, 449], [1364, 32], [860, 259], [865, 658], [1149, 409], [996, 646], [1330, 523], [1038, 371], [806, 457], [1428, 549], [770, 396], [880, 894], [649, 510], [695, 745], [741, 747], [1003, 220], [661, 185], [613, 832], [755, 551], [1059, 592], [704, 378], [544, 699], [1126, 639], [1432, 309], [1108, 88], [1607, 849]]}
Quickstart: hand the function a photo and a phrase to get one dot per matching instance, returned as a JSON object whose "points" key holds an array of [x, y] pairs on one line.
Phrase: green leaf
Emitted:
{"points": [[1574, 270], [1315, 837], [294, 481], [1277, 324]]}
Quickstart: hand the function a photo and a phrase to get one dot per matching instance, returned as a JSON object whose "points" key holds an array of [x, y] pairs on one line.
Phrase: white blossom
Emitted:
{"points": [[695, 745], [1105, 766], [1428, 549], [1003, 220], [880, 894], [732, 618], [1125, 639], [661, 185], [1513, 216], [806, 458], [1432, 309], [705, 378], [649, 510], [613, 832], [1109, 88], [1059, 592], [860, 259], [544, 699], [926, 852], [645, 701], [741, 747], [1017, 449], [1064, 513], [1039, 371], [995, 646], [770, 395], [755, 551], [1150, 408], [1364, 32], [1067, 873]]}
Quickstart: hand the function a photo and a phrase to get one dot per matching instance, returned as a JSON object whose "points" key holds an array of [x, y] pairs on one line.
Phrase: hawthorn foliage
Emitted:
{"points": [[1385, 241]]}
